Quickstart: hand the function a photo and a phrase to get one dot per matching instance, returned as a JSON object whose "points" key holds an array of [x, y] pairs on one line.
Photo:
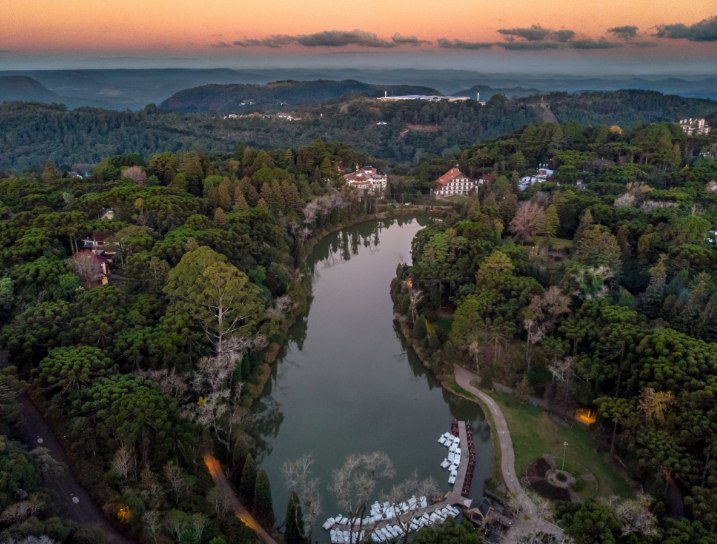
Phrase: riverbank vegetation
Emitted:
{"points": [[140, 306], [593, 290]]}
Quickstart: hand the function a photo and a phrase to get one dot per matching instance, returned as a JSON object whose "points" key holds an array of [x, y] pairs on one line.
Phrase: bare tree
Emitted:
{"points": [[411, 486], [22, 510], [175, 478], [152, 523], [527, 221], [219, 498], [563, 370], [87, 267], [541, 315], [47, 464], [218, 408], [198, 523], [299, 477], [282, 306], [355, 482], [635, 515], [414, 296], [152, 490], [474, 348], [123, 463], [543, 507], [168, 381], [135, 173]]}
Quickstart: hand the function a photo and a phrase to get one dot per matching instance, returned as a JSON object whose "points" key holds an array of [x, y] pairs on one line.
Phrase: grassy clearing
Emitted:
{"points": [[535, 434], [445, 323]]}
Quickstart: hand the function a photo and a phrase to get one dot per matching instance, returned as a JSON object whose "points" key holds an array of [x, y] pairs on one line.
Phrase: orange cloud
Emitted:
{"points": [[188, 25]]}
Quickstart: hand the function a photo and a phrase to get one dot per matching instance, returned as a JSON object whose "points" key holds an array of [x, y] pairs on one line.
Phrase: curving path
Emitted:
{"points": [[74, 500], [528, 522], [220, 480]]}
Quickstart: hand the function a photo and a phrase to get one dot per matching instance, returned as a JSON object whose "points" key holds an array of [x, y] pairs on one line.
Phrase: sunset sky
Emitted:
{"points": [[229, 31]]}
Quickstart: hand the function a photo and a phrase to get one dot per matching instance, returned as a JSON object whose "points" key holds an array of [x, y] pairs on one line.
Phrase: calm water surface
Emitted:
{"points": [[347, 382]]}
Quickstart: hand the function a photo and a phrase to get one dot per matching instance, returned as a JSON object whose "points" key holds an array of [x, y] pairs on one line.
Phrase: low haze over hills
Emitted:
{"points": [[133, 89]]}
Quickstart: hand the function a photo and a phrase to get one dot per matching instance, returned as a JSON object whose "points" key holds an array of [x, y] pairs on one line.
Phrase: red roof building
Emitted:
{"points": [[454, 182]]}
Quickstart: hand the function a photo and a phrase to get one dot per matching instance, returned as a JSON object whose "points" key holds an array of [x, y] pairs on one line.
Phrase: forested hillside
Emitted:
{"points": [[396, 132], [598, 290], [233, 98], [147, 368]]}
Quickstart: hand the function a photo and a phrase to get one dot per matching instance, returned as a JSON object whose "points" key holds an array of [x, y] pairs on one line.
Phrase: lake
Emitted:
{"points": [[346, 381]]}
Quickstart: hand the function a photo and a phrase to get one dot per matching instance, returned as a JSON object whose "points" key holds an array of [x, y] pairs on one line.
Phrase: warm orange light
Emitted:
{"points": [[586, 416], [212, 465], [124, 514]]}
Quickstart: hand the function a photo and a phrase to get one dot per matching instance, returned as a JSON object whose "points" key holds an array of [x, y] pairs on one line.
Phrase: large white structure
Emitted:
{"points": [[367, 179], [695, 127], [453, 182], [424, 97]]}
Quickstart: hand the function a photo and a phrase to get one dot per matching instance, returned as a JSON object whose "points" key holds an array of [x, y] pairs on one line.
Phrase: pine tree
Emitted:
{"points": [[262, 504], [551, 222], [523, 391], [240, 202], [245, 368], [239, 454], [419, 328], [294, 532], [585, 221], [247, 482]]}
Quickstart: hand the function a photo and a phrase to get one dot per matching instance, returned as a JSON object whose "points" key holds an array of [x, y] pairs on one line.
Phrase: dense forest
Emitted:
{"points": [[396, 132], [595, 289], [147, 370]]}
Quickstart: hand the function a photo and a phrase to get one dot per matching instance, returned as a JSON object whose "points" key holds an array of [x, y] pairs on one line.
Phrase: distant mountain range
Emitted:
{"points": [[127, 89], [25, 88]]}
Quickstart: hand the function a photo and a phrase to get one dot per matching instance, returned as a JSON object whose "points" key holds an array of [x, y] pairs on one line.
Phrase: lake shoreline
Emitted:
{"points": [[274, 350]]}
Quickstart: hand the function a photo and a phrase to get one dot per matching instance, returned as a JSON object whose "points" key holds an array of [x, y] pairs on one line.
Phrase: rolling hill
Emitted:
{"points": [[24, 88], [244, 97]]}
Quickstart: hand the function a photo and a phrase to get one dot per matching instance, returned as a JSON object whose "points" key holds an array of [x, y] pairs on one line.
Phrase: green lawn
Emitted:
{"points": [[535, 434], [445, 323]]}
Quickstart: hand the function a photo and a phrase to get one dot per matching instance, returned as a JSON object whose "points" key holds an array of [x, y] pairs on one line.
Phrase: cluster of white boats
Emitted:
{"points": [[388, 521], [453, 459]]}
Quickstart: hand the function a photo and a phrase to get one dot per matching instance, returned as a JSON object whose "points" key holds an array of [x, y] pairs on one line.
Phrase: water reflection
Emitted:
{"points": [[346, 381]]}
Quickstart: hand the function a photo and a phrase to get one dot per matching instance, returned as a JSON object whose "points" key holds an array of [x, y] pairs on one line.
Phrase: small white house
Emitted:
{"points": [[542, 174]]}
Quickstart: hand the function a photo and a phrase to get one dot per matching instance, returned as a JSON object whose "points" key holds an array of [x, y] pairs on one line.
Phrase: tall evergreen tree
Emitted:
{"points": [[247, 482], [294, 532], [263, 508]]}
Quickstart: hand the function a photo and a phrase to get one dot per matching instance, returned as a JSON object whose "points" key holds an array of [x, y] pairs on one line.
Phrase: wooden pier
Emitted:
{"points": [[457, 496]]}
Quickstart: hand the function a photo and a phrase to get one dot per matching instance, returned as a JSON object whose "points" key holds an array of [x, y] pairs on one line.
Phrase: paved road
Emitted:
{"points": [[220, 480], [74, 501], [528, 521]]}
